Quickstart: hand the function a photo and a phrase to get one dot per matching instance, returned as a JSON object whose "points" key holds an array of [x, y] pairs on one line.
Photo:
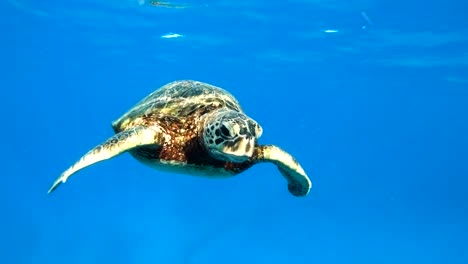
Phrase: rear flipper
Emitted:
{"points": [[115, 145], [298, 182]]}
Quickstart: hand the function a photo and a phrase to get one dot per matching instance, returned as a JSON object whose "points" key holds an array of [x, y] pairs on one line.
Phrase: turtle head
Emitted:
{"points": [[230, 136]]}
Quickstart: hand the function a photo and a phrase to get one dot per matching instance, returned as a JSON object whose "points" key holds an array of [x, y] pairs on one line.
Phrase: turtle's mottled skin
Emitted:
{"points": [[195, 128]]}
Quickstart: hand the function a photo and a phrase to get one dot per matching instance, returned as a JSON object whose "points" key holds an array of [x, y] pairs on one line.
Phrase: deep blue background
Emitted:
{"points": [[376, 113]]}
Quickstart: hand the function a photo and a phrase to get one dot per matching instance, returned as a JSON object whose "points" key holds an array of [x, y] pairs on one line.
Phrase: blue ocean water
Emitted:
{"points": [[371, 97]]}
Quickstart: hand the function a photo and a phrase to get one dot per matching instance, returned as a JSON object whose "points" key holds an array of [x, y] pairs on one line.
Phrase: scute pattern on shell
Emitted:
{"points": [[179, 99]]}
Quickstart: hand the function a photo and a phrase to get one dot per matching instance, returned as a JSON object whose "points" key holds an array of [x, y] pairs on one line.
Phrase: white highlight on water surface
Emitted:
{"points": [[366, 18], [330, 31], [171, 35]]}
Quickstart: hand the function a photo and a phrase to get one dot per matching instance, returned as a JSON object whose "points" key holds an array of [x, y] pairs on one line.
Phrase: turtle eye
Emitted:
{"points": [[224, 131]]}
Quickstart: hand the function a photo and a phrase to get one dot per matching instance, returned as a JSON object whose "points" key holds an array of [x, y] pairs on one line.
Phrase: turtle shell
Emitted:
{"points": [[179, 99]]}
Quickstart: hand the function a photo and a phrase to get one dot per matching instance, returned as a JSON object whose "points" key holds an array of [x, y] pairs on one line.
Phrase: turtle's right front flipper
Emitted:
{"points": [[115, 145], [299, 183]]}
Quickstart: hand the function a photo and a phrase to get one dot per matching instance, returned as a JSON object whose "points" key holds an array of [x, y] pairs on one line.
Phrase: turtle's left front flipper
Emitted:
{"points": [[115, 145], [298, 182]]}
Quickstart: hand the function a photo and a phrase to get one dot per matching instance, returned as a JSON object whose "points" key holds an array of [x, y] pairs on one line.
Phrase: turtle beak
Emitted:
{"points": [[240, 151]]}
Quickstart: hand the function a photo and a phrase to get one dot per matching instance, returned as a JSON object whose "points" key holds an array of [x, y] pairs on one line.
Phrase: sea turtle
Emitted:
{"points": [[196, 128]]}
